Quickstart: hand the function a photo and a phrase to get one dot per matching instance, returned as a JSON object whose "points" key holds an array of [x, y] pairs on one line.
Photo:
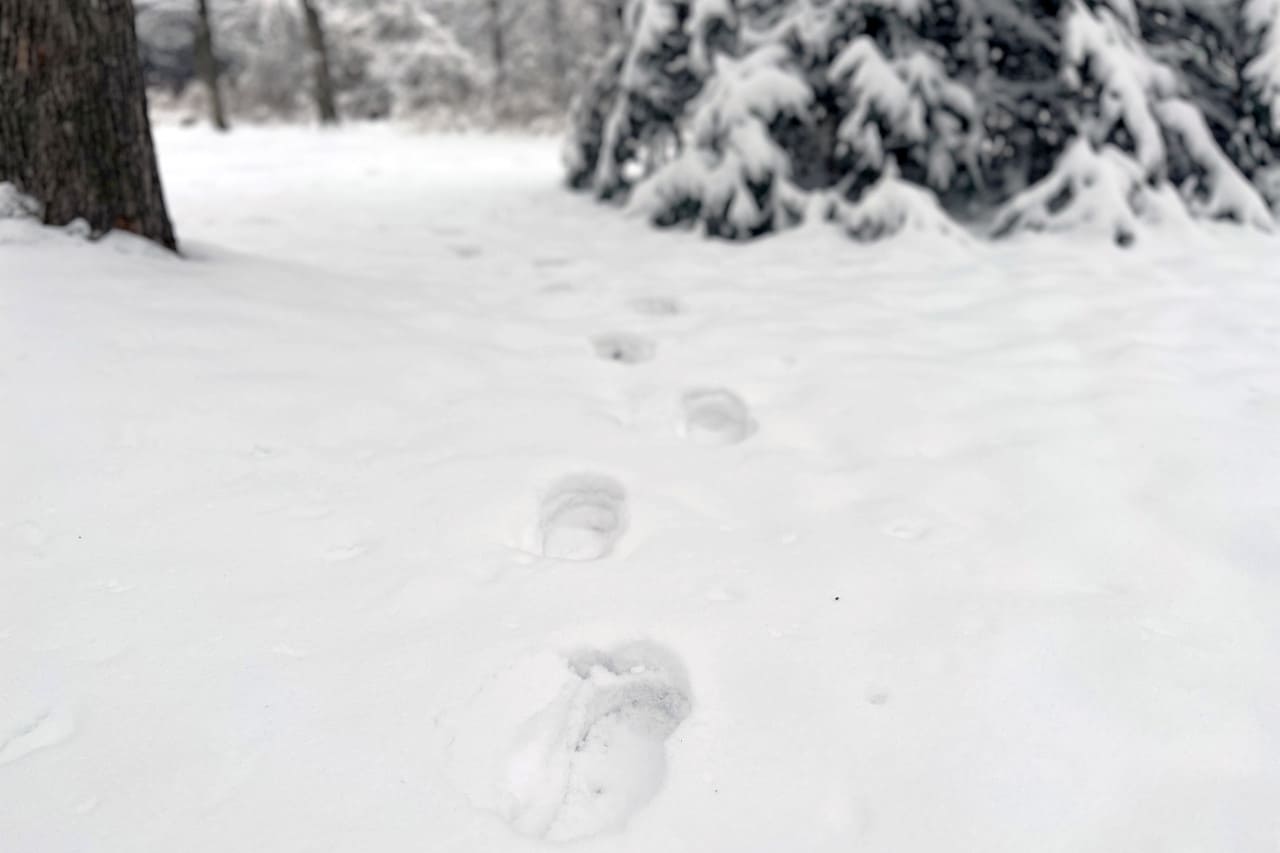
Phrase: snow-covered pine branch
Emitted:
{"points": [[1116, 81], [731, 174], [1262, 23], [1133, 110], [625, 126], [1002, 112], [1211, 184], [889, 207], [906, 109]]}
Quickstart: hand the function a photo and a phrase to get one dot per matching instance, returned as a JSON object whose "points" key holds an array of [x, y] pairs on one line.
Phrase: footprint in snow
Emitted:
{"points": [[343, 553], [582, 518], [716, 416], [597, 754], [558, 287], [552, 263], [655, 306], [624, 348]]}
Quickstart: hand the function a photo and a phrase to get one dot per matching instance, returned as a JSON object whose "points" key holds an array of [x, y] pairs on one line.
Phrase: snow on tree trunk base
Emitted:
{"points": [[74, 128], [15, 205], [926, 114]]}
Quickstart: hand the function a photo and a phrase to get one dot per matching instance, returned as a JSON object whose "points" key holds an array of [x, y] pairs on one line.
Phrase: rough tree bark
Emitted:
{"points": [[326, 103], [559, 61], [74, 131], [207, 65]]}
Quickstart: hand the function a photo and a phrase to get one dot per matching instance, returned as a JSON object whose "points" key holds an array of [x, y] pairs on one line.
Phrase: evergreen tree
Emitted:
{"points": [[1259, 146], [1140, 136], [744, 117]]}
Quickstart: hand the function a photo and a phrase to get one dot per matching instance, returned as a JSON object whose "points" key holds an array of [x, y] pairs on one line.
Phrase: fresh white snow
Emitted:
{"points": [[427, 507]]}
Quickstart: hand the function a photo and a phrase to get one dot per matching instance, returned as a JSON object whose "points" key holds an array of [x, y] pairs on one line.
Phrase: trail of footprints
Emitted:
{"points": [[585, 763]]}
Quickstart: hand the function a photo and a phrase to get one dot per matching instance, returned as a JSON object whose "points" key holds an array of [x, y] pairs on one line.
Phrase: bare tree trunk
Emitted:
{"points": [[74, 131], [207, 65], [559, 59], [611, 14], [326, 103], [498, 46]]}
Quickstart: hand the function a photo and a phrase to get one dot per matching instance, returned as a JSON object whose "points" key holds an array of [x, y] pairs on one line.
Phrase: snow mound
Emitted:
{"points": [[891, 207], [15, 205], [1097, 191]]}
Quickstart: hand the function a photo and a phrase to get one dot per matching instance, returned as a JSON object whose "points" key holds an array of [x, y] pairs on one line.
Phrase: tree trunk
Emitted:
{"points": [[559, 60], [498, 46], [326, 103], [612, 13], [207, 65], [74, 131]]}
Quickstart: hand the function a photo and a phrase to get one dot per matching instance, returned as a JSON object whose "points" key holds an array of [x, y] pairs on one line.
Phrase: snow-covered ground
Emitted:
{"points": [[427, 507]]}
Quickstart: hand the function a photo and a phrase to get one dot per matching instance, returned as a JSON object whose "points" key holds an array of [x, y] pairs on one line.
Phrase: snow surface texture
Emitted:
{"points": [[283, 526]]}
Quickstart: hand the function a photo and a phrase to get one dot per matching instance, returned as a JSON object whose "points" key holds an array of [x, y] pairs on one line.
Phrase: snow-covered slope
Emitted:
{"points": [[427, 507]]}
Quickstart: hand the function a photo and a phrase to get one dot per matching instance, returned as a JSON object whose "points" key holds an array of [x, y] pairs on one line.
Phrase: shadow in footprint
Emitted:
{"points": [[624, 348], [551, 263], [655, 306], [582, 518], [716, 416], [596, 755]]}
